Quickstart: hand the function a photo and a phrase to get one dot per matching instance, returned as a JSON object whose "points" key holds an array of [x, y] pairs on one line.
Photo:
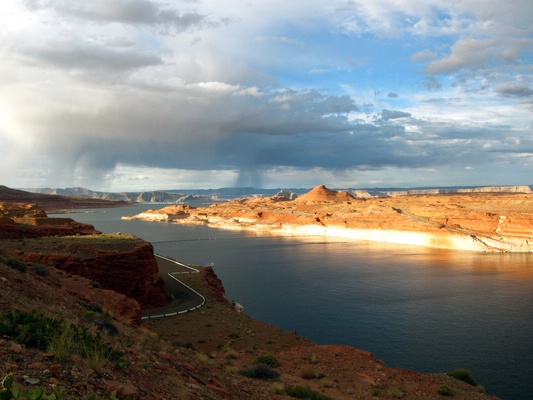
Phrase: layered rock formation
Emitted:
{"points": [[19, 220], [500, 222], [486, 189], [123, 263]]}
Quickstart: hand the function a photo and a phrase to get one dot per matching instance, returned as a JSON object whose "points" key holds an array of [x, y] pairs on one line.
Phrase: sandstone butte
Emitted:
{"points": [[493, 221], [122, 265]]}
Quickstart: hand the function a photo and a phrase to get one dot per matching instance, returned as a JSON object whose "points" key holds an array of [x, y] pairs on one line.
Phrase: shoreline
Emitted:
{"points": [[482, 222], [445, 240]]}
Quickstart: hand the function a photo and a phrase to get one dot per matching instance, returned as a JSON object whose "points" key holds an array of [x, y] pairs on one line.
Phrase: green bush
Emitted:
{"points": [[11, 390], [41, 270], [267, 359], [37, 331], [16, 264], [29, 328], [445, 391], [91, 307], [307, 393], [463, 375], [259, 371]]}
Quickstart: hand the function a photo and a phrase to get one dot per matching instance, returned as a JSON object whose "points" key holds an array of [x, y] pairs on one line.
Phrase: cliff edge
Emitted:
{"points": [[119, 262]]}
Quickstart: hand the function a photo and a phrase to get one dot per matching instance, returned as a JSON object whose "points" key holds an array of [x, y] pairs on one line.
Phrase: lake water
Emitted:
{"points": [[412, 307]]}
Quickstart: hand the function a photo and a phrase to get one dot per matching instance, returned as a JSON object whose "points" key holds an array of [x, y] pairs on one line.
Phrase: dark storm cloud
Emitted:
{"points": [[392, 114], [231, 132], [291, 112], [133, 12], [523, 91], [91, 57], [305, 129]]}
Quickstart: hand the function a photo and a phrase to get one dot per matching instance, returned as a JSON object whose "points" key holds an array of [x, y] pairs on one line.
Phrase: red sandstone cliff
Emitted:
{"points": [[19, 220], [123, 263], [127, 267]]}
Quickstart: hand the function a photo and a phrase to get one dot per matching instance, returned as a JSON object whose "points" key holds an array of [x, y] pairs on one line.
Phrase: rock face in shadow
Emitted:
{"points": [[127, 267], [119, 262]]}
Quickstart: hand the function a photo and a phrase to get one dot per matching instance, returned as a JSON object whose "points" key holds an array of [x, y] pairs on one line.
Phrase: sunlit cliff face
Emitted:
{"points": [[479, 222]]}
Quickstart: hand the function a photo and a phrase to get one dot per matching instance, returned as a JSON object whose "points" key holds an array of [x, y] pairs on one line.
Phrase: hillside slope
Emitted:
{"points": [[73, 337], [86, 352]]}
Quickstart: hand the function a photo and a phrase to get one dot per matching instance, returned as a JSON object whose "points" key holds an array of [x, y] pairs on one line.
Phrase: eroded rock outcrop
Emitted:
{"points": [[481, 221], [124, 264], [323, 194], [118, 262], [19, 220]]}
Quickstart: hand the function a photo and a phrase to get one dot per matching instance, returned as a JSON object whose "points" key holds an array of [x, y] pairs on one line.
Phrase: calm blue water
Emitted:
{"points": [[412, 307]]}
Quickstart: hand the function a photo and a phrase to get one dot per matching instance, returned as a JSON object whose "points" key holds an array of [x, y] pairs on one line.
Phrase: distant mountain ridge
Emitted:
{"points": [[54, 201], [178, 196]]}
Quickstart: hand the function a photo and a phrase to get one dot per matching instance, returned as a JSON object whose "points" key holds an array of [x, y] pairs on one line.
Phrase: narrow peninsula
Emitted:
{"points": [[492, 220]]}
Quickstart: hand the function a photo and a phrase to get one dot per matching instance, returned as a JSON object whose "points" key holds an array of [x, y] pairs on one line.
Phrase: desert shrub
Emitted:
{"points": [[259, 371], [102, 322], [307, 393], [9, 389], [91, 307], [277, 388], [230, 354], [312, 358], [444, 390], [41, 270], [267, 359], [182, 344], [15, 264], [48, 334], [325, 383], [308, 372], [376, 391], [202, 357], [395, 392], [29, 328], [463, 375]]}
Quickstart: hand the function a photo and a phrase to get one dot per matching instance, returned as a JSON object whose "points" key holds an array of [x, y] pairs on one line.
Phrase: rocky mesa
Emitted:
{"points": [[119, 262], [478, 221]]}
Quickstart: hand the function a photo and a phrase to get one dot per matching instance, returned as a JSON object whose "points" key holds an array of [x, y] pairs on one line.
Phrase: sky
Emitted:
{"points": [[129, 95]]}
